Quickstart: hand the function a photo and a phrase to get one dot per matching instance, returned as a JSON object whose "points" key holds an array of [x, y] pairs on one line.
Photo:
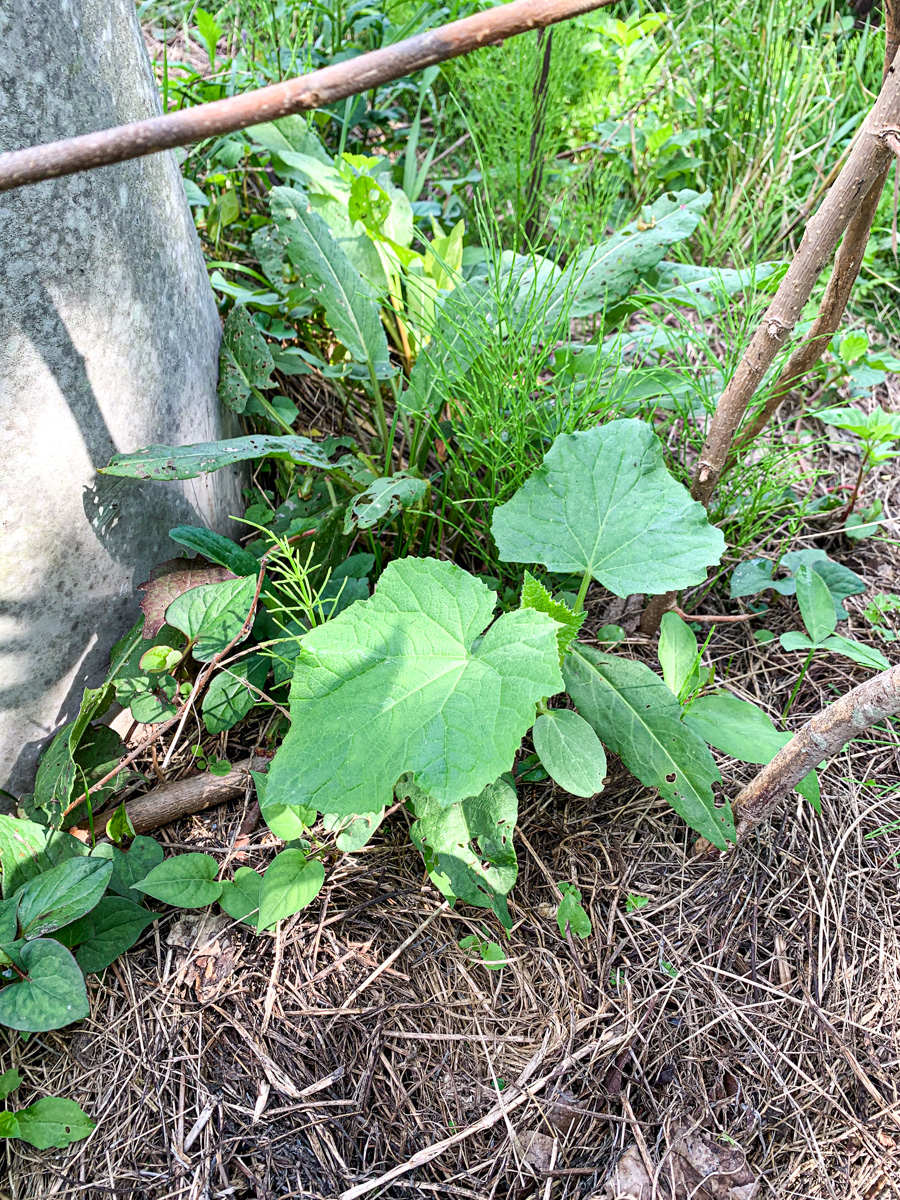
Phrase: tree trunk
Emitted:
{"points": [[108, 342]]}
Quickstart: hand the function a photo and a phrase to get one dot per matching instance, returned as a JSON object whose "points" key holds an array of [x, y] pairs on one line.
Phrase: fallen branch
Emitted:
{"points": [[315, 90], [172, 801], [820, 738]]}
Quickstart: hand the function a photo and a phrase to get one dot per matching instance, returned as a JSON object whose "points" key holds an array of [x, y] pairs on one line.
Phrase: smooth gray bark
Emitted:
{"points": [[108, 342]]}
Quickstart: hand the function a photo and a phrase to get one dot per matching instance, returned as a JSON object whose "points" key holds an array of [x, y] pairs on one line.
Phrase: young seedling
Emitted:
{"points": [[819, 617], [878, 431]]}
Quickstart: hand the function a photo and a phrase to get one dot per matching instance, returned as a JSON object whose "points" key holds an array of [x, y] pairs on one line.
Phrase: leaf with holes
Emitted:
{"points": [[468, 847], [187, 462], [397, 683], [53, 1122], [245, 361], [383, 498], [603, 502], [637, 717]]}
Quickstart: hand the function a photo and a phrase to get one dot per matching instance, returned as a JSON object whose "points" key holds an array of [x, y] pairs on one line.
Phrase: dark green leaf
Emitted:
{"points": [[110, 929], [26, 849], [228, 698], [245, 362], [216, 548], [52, 994], [9, 1081], [213, 614], [185, 880], [816, 604], [61, 895], [536, 596]]}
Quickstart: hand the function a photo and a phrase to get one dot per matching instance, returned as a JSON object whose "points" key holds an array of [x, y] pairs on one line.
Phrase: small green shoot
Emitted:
{"points": [[570, 915]]}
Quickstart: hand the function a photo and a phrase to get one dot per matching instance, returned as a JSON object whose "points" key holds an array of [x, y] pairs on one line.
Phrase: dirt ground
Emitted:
{"points": [[733, 1039]]}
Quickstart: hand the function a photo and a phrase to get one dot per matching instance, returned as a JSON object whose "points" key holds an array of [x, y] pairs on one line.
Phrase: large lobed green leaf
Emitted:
{"points": [[396, 683], [602, 501], [637, 717], [468, 847]]}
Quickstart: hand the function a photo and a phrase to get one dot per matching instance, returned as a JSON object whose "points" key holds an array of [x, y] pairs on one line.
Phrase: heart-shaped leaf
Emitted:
{"points": [[167, 582], [240, 899], [291, 882], [213, 614], [51, 995], [185, 880], [394, 684], [571, 751], [106, 932], [27, 849], [132, 865], [61, 895], [228, 698], [603, 502]]}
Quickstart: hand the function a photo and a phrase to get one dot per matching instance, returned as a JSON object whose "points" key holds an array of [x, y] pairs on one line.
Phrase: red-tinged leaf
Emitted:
{"points": [[170, 580]]}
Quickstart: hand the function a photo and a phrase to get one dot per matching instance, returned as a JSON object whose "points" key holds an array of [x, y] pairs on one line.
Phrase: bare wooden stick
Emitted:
{"points": [[847, 263], [865, 165], [318, 88], [820, 738], [171, 801]]}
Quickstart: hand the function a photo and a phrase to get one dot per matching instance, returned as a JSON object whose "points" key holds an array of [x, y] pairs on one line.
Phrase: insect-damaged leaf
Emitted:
{"points": [[393, 684], [168, 581], [468, 847], [636, 716], [603, 501], [187, 462], [245, 361]]}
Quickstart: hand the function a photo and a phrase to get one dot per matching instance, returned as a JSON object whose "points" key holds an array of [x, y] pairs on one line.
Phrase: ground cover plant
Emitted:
{"points": [[470, 414]]}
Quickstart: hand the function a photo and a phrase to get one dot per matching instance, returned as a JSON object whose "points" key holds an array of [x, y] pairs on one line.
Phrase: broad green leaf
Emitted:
{"points": [[677, 652], [808, 788], [571, 912], [816, 604], [50, 996], [570, 751], [9, 1081], [52, 1122], [106, 932], [735, 727], [9, 922], [865, 656], [854, 420], [26, 849], [9, 1126], [610, 269], [840, 580], [216, 548], [352, 832], [794, 640], [213, 614], [603, 502], [637, 717], [394, 684], [707, 288], [536, 596], [185, 880], [462, 332], [468, 847], [228, 699], [61, 895], [291, 882], [350, 304], [187, 462], [383, 498], [132, 865], [240, 898], [245, 362], [755, 575]]}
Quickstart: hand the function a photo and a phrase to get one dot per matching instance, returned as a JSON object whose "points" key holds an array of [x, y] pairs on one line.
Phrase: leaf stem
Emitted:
{"points": [[582, 591], [800, 678]]}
